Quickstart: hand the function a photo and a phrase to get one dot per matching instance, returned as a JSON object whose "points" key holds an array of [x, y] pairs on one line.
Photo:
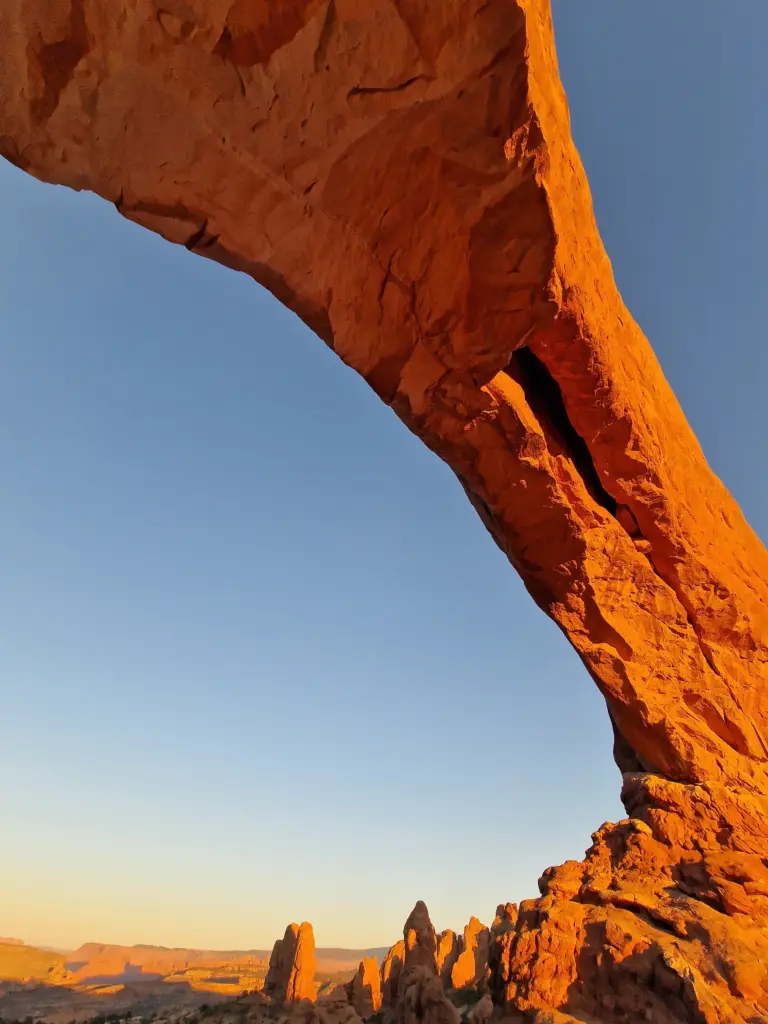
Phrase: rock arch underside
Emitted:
{"points": [[400, 173]]}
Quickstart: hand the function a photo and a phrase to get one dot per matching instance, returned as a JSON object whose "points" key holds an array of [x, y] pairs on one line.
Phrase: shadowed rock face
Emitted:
{"points": [[420, 941], [401, 175], [365, 988], [447, 953], [391, 971], [501, 938], [421, 998]]}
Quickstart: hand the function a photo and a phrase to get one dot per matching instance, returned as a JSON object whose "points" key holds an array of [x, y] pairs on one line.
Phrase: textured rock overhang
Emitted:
{"points": [[401, 174]]}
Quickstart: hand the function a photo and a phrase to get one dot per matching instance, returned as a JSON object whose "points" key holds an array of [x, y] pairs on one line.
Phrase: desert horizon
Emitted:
{"points": [[98, 982], [92, 945], [97, 979]]}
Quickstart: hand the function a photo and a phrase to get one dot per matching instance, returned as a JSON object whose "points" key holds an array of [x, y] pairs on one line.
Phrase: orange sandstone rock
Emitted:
{"points": [[471, 966], [447, 953], [501, 938], [365, 988], [420, 941], [401, 175], [420, 996], [391, 970], [291, 974], [422, 1000]]}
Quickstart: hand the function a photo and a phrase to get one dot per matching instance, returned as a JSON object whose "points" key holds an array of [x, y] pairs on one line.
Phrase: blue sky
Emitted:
{"points": [[260, 660]]}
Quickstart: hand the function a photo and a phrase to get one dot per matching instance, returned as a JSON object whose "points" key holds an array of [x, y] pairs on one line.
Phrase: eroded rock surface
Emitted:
{"points": [[501, 938], [329, 1011], [365, 988], [391, 971], [420, 996], [472, 963], [447, 953], [420, 941], [401, 175], [291, 975], [482, 1011]]}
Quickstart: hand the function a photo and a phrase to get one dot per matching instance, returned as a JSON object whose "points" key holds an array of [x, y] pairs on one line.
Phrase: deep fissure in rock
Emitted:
{"points": [[543, 394]]}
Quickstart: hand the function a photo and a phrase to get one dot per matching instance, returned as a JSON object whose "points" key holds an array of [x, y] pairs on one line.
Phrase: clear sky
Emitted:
{"points": [[259, 659]]}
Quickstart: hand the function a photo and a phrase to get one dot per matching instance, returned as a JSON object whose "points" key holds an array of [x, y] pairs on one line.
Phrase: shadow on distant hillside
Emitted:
{"points": [[100, 980], [60, 1004]]}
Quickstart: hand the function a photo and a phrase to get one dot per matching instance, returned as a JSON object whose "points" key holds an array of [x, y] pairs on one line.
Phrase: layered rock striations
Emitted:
{"points": [[401, 175]]}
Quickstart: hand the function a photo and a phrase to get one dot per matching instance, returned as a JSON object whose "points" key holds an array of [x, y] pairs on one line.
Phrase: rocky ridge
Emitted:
{"points": [[408, 987], [656, 985]]}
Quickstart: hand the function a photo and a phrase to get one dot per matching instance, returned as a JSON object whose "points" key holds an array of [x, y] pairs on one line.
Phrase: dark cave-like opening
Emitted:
{"points": [[543, 394]]}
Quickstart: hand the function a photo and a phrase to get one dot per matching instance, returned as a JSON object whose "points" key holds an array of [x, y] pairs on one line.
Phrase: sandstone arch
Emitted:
{"points": [[401, 175]]}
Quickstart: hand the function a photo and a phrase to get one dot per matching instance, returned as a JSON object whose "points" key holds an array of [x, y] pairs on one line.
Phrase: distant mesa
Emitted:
{"points": [[129, 973], [96, 959], [25, 964]]}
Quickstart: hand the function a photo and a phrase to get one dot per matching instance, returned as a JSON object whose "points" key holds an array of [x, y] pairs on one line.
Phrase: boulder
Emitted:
{"points": [[423, 1001], [482, 1011]]}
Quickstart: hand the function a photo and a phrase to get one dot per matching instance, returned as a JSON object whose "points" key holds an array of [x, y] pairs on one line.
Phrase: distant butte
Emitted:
{"points": [[401, 175]]}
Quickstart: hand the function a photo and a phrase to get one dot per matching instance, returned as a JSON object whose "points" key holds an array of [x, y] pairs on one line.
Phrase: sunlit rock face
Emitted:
{"points": [[472, 963], [391, 971], [365, 988], [421, 998], [447, 953], [291, 975], [401, 174]]}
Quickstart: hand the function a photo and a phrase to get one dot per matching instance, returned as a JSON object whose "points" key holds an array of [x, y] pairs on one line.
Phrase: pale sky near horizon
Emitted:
{"points": [[261, 662]]}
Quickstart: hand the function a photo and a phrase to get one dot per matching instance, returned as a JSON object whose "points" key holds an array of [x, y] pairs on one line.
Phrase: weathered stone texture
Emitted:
{"points": [[401, 174], [472, 963], [391, 972], [447, 953], [365, 988], [291, 974]]}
